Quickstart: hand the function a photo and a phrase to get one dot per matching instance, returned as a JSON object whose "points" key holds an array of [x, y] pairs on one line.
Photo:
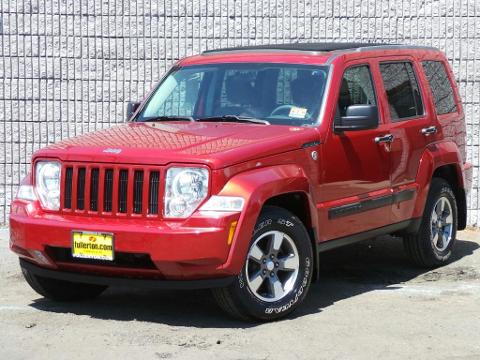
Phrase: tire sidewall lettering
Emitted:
{"points": [[262, 225], [241, 282], [296, 295], [246, 299], [285, 222]]}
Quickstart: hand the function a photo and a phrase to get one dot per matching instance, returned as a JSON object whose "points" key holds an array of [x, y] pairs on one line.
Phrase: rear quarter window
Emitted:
{"points": [[441, 87]]}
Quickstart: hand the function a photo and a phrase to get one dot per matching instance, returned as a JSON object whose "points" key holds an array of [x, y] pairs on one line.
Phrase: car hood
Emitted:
{"points": [[159, 143]]}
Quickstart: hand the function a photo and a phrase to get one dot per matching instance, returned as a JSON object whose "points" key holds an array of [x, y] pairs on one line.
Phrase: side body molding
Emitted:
{"points": [[256, 187]]}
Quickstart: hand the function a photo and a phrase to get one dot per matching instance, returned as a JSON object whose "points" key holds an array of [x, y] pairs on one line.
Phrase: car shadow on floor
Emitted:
{"points": [[376, 264]]}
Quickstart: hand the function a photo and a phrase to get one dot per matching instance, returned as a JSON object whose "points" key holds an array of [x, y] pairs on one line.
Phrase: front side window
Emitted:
{"points": [[441, 87], [356, 88], [279, 93], [402, 90]]}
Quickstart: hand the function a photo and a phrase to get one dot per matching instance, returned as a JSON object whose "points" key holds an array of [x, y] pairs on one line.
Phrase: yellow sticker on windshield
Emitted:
{"points": [[297, 112]]}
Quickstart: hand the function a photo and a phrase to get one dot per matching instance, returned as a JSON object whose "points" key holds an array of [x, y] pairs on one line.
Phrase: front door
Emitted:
{"points": [[356, 181]]}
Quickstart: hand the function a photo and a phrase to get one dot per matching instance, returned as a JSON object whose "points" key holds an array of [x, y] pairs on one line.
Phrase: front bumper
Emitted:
{"points": [[191, 249], [119, 281]]}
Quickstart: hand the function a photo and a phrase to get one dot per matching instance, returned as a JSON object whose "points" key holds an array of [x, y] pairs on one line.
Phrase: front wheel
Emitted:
{"points": [[277, 271]]}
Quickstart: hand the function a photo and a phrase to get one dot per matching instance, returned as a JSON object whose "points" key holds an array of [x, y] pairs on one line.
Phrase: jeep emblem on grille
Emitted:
{"points": [[112, 151]]}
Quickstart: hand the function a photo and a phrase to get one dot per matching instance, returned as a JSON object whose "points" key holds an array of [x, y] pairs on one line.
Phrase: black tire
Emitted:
{"points": [[60, 290], [420, 246], [239, 301]]}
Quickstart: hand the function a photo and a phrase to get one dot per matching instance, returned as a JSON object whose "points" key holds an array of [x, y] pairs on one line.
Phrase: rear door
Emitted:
{"points": [[410, 121]]}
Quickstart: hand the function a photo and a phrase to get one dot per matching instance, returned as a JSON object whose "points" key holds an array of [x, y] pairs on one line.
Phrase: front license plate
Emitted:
{"points": [[92, 245]]}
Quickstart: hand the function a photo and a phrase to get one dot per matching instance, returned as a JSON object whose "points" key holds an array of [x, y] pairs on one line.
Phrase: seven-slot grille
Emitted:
{"points": [[104, 189]]}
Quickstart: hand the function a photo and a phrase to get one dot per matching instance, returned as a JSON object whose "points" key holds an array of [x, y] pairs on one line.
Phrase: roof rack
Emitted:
{"points": [[324, 47], [317, 47]]}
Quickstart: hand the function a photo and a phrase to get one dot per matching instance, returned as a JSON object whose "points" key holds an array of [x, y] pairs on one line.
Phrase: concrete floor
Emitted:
{"points": [[370, 303]]}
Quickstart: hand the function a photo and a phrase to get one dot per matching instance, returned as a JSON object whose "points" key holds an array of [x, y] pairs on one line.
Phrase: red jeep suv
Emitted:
{"points": [[241, 166]]}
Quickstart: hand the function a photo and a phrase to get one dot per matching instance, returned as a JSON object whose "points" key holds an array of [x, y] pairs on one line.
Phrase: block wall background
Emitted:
{"points": [[69, 66]]}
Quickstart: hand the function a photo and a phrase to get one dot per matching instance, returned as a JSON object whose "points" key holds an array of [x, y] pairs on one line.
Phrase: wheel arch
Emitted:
{"points": [[442, 160], [285, 186], [452, 174]]}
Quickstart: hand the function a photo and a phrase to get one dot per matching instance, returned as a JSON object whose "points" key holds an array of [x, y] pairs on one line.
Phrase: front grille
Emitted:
{"points": [[68, 188], [153, 185], [94, 189], [81, 189], [122, 191], [108, 186], [137, 191], [111, 189]]}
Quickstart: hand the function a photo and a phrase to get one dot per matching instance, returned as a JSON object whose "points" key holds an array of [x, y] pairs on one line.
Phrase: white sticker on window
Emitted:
{"points": [[297, 112]]}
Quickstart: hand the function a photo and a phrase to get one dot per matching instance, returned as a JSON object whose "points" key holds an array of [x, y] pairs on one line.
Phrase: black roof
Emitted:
{"points": [[325, 46]]}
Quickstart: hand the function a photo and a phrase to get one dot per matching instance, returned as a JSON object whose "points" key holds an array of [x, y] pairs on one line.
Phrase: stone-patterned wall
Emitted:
{"points": [[69, 66]]}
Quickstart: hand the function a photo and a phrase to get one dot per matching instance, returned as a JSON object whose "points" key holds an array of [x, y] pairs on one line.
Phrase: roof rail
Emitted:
{"points": [[319, 47]]}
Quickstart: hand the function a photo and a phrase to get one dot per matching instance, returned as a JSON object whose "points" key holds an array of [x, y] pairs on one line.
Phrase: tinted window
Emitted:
{"points": [[402, 90], [441, 87], [356, 88]]}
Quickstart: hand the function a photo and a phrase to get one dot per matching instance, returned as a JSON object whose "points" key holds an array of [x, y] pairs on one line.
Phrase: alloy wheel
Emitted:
{"points": [[442, 223], [272, 266]]}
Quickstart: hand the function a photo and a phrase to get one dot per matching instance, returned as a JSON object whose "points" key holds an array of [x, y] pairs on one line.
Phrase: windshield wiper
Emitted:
{"points": [[234, 118], [168, 118]]}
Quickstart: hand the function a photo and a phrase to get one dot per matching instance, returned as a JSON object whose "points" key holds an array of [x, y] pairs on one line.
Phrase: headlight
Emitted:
{"points": [[47, 184], [185, 189]]}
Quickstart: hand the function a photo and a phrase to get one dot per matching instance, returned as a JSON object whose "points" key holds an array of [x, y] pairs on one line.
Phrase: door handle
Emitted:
{"points": [[429, 130], [384, 139]]}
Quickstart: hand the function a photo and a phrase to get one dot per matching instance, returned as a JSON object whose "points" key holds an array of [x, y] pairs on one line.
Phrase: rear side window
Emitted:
{"points": [[356, 88], [441, 87], [402, 89]]}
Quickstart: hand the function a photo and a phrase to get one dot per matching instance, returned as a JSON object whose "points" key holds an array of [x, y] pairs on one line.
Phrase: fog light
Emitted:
{"points": [[38, 255]]}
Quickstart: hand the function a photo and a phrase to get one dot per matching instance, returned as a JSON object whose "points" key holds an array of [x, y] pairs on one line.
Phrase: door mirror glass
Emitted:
{"points": [[131, 108], [358, 117]]}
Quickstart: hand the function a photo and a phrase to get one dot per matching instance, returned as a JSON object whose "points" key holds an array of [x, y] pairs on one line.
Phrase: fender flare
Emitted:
{"points": [[256, 187], [435, 156]]}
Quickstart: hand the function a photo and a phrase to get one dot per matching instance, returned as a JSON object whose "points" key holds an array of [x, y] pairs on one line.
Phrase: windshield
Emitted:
{"points": [[278, 93]]}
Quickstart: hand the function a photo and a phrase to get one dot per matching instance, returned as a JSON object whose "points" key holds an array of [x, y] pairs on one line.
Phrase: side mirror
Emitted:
{"points": [[358, 117], [131, 108]]}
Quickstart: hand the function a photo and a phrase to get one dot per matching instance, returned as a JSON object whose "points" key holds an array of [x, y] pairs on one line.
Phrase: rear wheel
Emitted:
{"points": [[434, 242], [60, 290], [277, 271]]}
